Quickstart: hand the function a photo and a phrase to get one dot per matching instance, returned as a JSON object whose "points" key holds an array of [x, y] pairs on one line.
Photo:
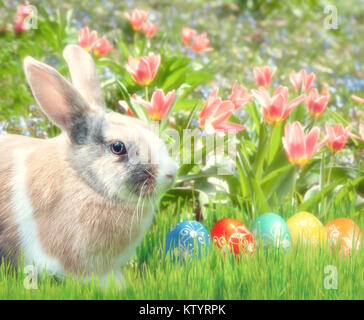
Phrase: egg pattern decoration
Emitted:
{"points": [[345, 233], [307, 230], [232, 235], [272, 230], [187, 237]]}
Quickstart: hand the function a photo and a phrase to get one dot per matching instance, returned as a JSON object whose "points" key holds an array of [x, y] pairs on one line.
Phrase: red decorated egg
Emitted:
{"points": [[231, 234], [345, 233]]}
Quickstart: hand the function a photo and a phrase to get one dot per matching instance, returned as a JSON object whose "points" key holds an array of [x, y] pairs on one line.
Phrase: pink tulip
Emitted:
{"points": [[136, 18], [214, 114], [102, 47], [277, 107], [144, 70], [239, 96], [159, 105], [264, 75], [361, 132], [187, 35], [296, 80], [307, 79], [90, 42], [19, 25], [201, 43], [316, 103], [150, 29], [357, 99], [24, 10], [337, 136], [299, 147], [130, 113], [87, 39]]}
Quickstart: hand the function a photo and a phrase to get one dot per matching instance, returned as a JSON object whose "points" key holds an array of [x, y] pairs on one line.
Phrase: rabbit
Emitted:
{"points": [[80, 203]]}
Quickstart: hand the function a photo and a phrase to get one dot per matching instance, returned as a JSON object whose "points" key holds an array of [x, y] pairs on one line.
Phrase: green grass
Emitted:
{"points": [[296, 274]]}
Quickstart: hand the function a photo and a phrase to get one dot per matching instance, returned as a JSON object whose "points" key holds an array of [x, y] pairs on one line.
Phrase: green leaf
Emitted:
{"points": [[342, 194], [247, 176], [316, 198], [276, 142], [175, 79], [135, 108], [190, 117], [252, 110], [186, 104], [272, 183], [337, 117], [261, 152]]}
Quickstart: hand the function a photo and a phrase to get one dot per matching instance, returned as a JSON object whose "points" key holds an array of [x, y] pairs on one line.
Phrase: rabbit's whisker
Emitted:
{"points": [[136, 209]]}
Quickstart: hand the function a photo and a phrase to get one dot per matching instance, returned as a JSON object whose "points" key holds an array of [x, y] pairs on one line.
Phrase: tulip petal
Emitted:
{"points": [[222, 113], [295, 102], [229, 126], [311, 142], [357, 99], [277, 108], [262, 97], [308, 79], [296, 141]]}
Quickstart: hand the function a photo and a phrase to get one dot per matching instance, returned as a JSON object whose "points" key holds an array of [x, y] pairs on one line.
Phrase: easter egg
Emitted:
{"points": [[187, 238], [231, 234], [345, 233], [273, 230], [306, 229]]}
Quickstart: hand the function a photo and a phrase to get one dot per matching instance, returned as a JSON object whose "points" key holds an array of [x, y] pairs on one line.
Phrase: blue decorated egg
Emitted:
{"points": [[272, 230], [187, 237]]}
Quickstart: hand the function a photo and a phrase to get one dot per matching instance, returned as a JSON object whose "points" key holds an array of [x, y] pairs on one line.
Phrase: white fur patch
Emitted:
{"points": [[23, 212], [160, 156], [130, 250]]}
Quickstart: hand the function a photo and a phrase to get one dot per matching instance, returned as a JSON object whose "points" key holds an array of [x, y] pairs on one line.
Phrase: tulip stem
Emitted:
{"points": [[148, 43], [146, 93], [269, 144], [330, 169], [327, 183], [314, 122], [293, 191], [135, 43]]}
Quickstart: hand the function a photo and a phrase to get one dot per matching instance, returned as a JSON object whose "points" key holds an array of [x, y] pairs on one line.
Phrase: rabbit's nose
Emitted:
{"points": [[170, 176]]}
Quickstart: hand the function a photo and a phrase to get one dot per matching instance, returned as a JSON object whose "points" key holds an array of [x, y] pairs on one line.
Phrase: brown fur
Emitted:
{"points": [[9, 239]]}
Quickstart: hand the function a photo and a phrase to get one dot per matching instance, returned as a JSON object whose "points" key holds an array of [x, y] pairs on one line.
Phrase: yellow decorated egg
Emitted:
{"points": [[306, 229]]}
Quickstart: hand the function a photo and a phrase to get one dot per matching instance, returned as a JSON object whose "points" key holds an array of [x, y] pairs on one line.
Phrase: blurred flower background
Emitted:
{"points": [[289, 36]]}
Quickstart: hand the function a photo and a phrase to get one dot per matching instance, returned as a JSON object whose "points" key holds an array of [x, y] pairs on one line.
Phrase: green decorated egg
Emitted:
{"points": [[270, 229]]}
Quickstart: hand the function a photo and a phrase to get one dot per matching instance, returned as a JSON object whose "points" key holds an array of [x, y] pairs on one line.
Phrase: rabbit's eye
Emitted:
{"points": [[118, 148]]}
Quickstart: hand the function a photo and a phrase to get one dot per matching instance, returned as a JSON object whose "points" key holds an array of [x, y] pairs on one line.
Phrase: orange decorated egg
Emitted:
{"points": [[345, 233], [232, 235]]}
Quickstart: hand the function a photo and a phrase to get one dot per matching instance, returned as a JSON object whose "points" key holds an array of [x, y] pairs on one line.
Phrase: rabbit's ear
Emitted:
{"points": [[83, 74], [58, 98]]}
